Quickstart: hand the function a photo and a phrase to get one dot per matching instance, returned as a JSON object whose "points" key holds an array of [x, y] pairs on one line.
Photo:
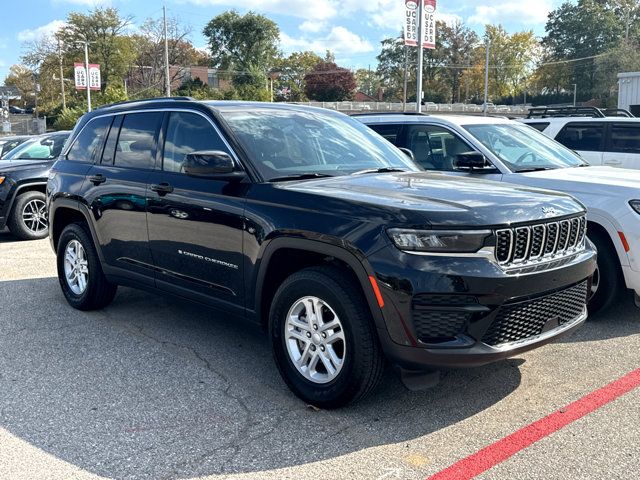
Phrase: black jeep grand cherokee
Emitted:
{"points": [[308, 222]]}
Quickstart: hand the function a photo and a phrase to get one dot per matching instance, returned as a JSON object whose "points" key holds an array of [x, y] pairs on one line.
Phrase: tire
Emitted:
{"points": [[28, 219], [608, 280], [95, 292], [362, 362]]}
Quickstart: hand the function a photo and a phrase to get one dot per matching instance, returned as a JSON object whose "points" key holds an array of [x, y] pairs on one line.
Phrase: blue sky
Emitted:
{"points": [[352, 29]]}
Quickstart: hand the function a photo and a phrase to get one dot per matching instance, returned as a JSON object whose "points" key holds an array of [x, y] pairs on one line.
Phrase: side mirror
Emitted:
{"points": [[214, 164], [408, 153], [470, 161]]}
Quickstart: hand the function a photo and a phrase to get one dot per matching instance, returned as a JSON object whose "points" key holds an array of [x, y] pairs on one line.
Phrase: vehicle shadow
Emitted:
{"points": [[157, 387]]}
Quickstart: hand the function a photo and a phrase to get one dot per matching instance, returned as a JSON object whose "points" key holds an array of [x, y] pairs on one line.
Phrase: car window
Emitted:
{"points": [[88, 145], [625, 138], [389, 132], [136, 145], [540, 126], [39, 148], [582, 136], [522, 148], [435, 148], [188, 132], [282, 143], [7, 146]]}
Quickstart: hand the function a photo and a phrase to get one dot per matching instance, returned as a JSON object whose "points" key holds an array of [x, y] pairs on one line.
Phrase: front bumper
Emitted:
{"points": [[475, 313]]}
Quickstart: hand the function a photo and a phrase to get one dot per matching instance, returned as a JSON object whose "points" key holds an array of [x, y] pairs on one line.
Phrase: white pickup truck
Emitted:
{"points": [[499, 149]]}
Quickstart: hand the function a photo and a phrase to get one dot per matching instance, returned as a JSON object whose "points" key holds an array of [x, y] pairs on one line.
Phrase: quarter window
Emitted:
{"points": [[540, 126], [582, 136], [625, 138], [136, 145], [188, 132], [88, 145]]}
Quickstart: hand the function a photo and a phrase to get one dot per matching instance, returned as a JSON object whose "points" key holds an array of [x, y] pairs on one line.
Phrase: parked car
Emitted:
{"points": [[611, 141], [508, 151], [16, 110], [9, 143], [307, 222], [23, 180]]}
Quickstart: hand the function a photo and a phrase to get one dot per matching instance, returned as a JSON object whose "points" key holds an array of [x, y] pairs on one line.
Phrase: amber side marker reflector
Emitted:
{"points": [[623, 239], [376, 290]]}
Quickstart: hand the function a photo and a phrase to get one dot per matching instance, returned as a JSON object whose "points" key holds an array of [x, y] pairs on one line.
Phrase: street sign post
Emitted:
{"points": [[420, 29]]}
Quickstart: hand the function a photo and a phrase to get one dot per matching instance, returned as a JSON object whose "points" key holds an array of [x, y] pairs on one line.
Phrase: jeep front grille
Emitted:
{"points": [[536, 243]]}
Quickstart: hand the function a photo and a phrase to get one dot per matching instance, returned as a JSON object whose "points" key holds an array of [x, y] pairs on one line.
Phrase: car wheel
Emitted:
{"points": [[607, 281], [79, 271], [28, 220], [323, 337]]}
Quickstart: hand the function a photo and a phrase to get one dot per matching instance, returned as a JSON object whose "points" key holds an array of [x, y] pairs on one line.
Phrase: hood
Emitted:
{"points": [[583, 179], [7, 166], [442, 200]]}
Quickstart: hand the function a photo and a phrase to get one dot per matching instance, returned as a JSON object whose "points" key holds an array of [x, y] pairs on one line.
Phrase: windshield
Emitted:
{"points": [[42, 148], [522, 148], [284, 143]]}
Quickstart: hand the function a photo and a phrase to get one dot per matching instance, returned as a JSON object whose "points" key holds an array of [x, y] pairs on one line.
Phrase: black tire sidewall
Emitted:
{"points": [[16, 221], [609, 272], [340, 390]]}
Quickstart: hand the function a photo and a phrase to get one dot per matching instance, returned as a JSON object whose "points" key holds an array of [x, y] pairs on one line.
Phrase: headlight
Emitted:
{"points": [[439, 241], [635, 204]]}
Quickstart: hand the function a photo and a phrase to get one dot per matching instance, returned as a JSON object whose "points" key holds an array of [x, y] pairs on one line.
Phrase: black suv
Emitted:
{"points": [[311, 224], [23, 181]]}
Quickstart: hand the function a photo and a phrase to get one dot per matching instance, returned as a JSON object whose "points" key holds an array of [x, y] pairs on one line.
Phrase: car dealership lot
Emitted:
{"points": [[154, 387]]}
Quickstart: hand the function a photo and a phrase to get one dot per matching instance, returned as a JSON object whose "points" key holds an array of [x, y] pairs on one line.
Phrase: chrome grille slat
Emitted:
{"points": [[524, 245]]}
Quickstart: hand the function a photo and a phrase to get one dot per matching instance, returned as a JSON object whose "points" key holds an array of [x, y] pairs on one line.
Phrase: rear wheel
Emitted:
{"points": [[323, 337], [28, 219], [607, 280], [79, 271]]}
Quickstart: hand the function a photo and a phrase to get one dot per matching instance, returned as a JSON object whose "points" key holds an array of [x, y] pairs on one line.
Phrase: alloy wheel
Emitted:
{"points": [[76, 267], [34, 215]]}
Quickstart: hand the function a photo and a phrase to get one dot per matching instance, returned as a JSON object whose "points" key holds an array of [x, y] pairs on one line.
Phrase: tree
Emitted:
{"points": [[104, 28], [368, 82], [22, 78], [292, 69], [329, 83], [625, 58], [459, 44], [243, 44]]}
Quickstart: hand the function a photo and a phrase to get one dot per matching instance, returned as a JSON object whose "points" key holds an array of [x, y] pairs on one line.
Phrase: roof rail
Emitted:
{"points": [[386, 113], [546, 112], [618, 112], [125, 102]]}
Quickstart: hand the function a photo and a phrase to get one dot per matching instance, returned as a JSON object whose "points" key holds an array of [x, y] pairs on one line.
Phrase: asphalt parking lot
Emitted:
{"points": [[154, 387]]}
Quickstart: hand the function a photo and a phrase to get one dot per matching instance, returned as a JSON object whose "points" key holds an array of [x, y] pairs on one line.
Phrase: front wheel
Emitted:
{"points": [[79, 271], [323, 337], [607, 283]]}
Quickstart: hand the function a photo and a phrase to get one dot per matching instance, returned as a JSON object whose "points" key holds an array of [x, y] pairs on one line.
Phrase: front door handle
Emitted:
{"points": [[97, 179], [161, 188], [612, 162]]}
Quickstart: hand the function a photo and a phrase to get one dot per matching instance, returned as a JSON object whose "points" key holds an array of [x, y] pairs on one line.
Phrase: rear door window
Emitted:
{"points": [[587, 137], [137, 141], [625, 138], [88, 145]]}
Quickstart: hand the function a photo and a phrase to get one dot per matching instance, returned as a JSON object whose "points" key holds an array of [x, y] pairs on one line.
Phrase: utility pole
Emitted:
{"points": [[486, 78], [167, 83], [575, 93], [86, 69], [406, 78], [64, 100], [420, 56]]}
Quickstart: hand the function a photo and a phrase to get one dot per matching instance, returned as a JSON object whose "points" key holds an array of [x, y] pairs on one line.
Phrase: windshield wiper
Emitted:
{"points": [[379, 170], [534, 169], [300, 176]]}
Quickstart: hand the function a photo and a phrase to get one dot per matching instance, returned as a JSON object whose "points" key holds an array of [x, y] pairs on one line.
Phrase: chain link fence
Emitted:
{"points": [[22, 125]]}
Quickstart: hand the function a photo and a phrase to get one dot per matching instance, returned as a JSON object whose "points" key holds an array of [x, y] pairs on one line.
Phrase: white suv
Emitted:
{"points": [[612, 141], [505, 150]]}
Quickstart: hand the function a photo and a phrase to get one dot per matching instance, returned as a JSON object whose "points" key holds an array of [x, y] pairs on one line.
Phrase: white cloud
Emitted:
{"points": [[448, 18], [339, 40], [42, 31], [90, 3], [521, 12], [320, 10], [313, 26]]}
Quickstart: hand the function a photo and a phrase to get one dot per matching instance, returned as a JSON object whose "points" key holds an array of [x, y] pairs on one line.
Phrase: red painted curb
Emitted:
{"points": [[498, 452]]}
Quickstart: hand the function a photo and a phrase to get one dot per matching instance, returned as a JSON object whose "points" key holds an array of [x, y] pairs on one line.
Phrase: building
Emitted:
{"points": [[629, 92]]}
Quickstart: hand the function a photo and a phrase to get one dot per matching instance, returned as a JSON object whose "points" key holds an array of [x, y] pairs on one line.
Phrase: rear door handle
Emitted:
{"points": [[161, 188], [97, 179]]}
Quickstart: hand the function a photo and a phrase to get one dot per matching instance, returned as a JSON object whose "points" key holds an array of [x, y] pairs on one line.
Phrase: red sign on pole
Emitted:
{"points": [[428, 23], [80, 75]]}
